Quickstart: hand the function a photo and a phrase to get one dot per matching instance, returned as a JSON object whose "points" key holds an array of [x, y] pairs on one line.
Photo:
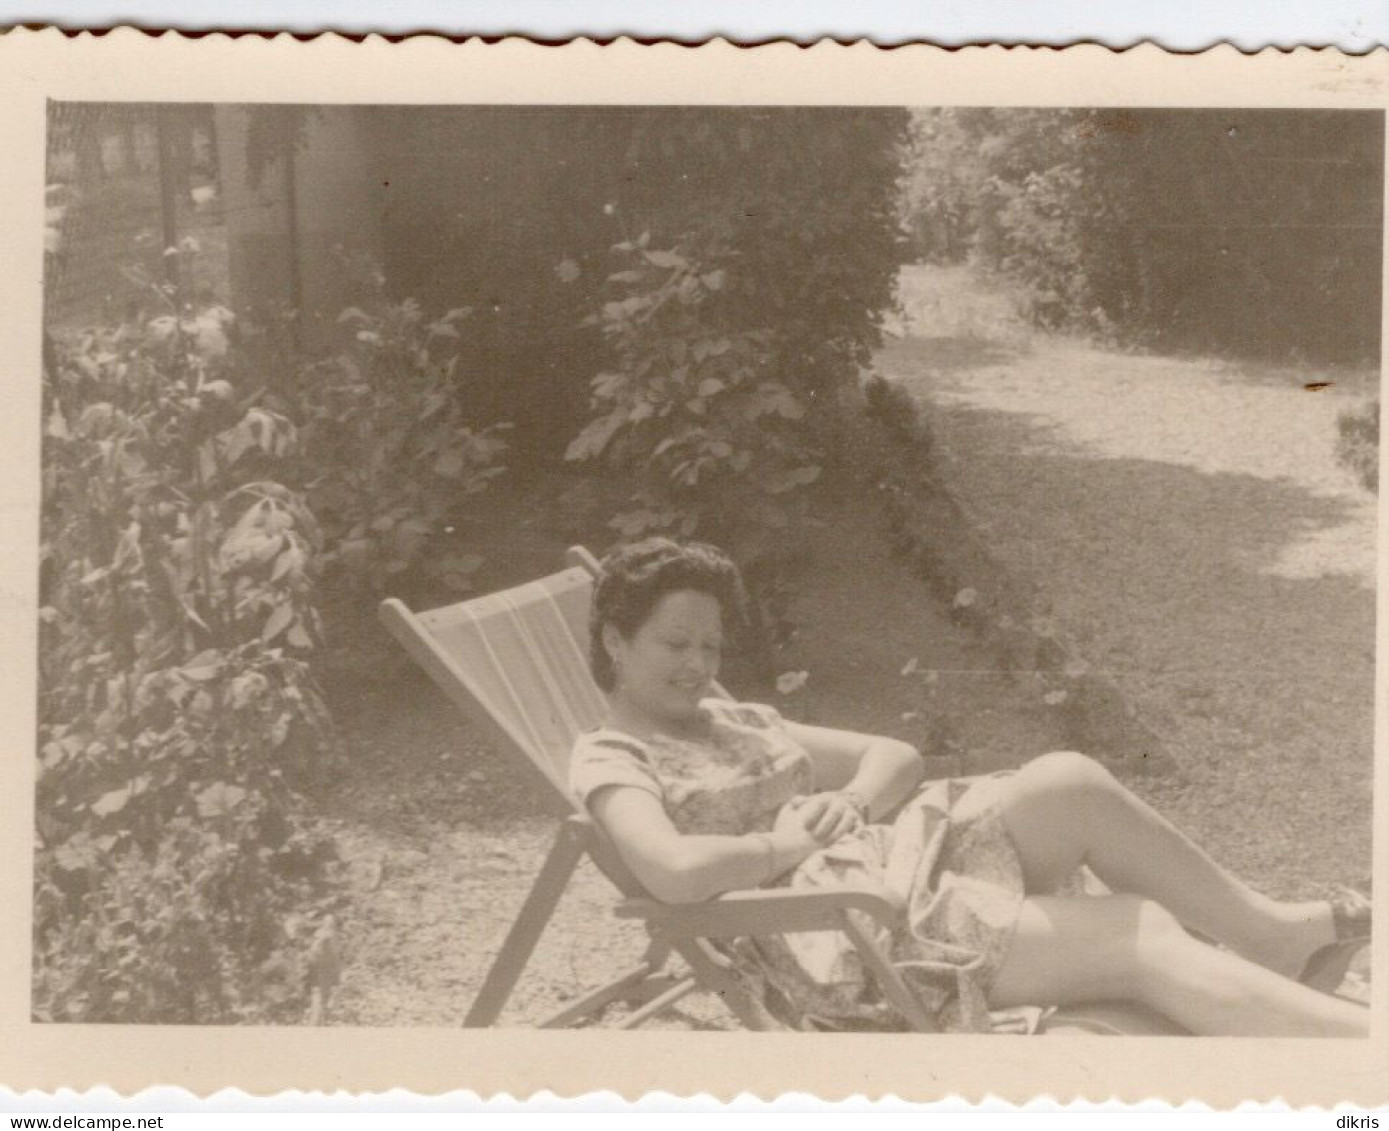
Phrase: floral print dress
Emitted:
{"points": [[946, 857]]}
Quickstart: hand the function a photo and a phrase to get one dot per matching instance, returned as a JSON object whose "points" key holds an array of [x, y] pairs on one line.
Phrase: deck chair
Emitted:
{"points": [[515, 662]]}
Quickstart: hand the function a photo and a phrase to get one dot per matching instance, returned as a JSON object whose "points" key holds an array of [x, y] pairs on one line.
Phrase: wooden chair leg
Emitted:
{"points": [[636, 983], [889, 980], [711, 970], [660, 1003], [565, 854], [638, 986]]}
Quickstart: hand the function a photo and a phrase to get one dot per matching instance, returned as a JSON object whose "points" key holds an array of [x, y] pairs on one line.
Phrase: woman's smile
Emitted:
{"points": [[670, 663]]}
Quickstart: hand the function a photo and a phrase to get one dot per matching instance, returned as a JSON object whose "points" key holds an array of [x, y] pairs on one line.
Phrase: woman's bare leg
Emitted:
{"points": [[1063, 810], [1075, 949]]}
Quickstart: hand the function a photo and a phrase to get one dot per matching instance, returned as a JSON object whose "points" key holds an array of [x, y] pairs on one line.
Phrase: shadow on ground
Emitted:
{"points": [[1162, 576]]}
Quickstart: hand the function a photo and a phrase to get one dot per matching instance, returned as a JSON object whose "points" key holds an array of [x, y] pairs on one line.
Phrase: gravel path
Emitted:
{"points": [[1198, 541]]}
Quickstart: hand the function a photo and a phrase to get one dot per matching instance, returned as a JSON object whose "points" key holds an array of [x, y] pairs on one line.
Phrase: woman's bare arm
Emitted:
{"points": [[880, 771], [676, 868]]}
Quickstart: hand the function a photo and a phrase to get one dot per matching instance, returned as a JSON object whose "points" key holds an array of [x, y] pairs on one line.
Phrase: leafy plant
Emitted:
{"points": [[806, 196], [393, 454], [1034, 235], [1146, 223], [695, 412], [200, 931], [176, 707], [162, 538], [737, 325], [693, 408]]}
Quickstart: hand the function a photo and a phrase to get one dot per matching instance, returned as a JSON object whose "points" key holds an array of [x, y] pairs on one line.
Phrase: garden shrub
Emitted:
{"points": [[800, 207], [1248, 232], [176, 708], [760, 253], [694, 407], [1032, 232], [806, 197], [715, 442], [390, 451]]}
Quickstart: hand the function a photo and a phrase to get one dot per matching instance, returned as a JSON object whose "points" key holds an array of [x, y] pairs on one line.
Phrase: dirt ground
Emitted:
{"points": [[1218, 588]]}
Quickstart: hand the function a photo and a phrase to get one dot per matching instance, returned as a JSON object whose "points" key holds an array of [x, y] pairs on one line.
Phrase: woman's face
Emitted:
{"points": [[667, 666]]}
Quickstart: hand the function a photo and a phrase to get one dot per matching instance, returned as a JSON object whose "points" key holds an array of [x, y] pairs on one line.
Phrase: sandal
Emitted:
{"points": [[1351, 917]]}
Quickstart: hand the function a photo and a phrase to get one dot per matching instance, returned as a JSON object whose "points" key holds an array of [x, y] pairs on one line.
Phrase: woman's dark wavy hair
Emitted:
{"points": [[635, 577]]}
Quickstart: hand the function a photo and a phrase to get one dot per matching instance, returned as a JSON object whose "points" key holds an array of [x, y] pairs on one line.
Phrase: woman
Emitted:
{"points": [[701, 797]]}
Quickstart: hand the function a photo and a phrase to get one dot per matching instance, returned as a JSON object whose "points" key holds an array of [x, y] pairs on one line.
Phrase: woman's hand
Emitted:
{"points": [[880, 772], [828, 816], [790, 833]]}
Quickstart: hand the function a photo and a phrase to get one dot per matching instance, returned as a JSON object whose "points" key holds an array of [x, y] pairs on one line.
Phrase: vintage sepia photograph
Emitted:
{"points": [[639, 569], [802, 568]]}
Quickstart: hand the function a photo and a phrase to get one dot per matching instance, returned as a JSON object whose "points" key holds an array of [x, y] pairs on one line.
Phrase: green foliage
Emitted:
{"points": [[176, 709], [393, 456], [1016, 192], [200, 931], [162, 535], [1252, 232], [225, 724], [738, 320], [805, 197], [1357, 445], [803, 203], [717, 441], [944, 171], [1033, 233]]}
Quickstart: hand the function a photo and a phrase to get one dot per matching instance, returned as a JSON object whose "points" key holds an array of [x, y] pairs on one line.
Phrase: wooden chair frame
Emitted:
{"points": [[673, 929], [687, 930]]}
